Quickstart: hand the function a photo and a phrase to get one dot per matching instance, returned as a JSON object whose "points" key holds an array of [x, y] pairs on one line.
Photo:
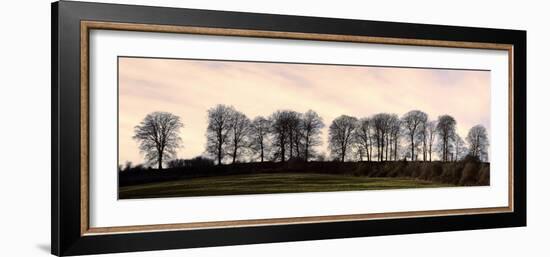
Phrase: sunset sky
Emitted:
{"points": [[188, 88]]}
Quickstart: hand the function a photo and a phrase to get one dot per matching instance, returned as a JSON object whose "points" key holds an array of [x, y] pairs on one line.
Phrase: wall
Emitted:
{"points": [[25, 141]]}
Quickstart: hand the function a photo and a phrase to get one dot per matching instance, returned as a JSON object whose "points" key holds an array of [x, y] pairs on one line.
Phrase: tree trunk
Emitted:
{"points": [[445, 149], [282, 142], [261, 151], [382, 146], [219, 154], [395, 148], [367, 149], [160, 160], [387, 145], [412, 146], [306, 151], [380, 149], [297, 145]]}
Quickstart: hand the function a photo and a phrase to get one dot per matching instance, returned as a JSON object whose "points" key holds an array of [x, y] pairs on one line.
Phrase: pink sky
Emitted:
{"points": [[188, 88]]}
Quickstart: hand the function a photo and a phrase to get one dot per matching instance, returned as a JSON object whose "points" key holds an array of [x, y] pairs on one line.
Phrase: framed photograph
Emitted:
{"points": [[178, 128]]}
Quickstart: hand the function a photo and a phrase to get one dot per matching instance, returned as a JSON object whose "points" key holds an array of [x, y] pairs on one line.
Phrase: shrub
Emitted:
{"points": [[199, 162], [176, 163], [466, 173], [469, 174], [484, 176], [451, 173]]}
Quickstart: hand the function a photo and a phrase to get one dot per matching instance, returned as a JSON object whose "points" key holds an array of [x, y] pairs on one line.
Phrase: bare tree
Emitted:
{"points": [[381, 124], [341, 133], [311, 125], [478, 142], [280, 130], [259, 133], [158, 137], [239, 126], [394, 130], [430, 131], [363, 138], [459, 148], [446, 129], [219, 127], [423, 138], [412, 123], [294, 133]]}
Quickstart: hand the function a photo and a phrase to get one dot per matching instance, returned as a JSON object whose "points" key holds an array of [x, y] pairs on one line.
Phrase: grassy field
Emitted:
{"points": [[267, 184]]}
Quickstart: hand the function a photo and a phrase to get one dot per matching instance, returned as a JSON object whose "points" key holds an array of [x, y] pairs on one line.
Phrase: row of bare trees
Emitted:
{"points": [[286, 134], [283, 135], [385, 133]]}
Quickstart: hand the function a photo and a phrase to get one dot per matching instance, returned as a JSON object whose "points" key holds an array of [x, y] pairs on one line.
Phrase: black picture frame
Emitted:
{"points": [[66, 235]]}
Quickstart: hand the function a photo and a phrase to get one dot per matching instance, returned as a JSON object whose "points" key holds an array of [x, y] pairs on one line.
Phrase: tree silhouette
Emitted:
{"points": [[259, 136], [363, 138], [478, 142], [382, 126], [393, 136], [423, 137], [158, 137], [446, 129], [459, 147], [294, 133], [280, 129], [413, 123], [341, 133], [239, 126], [311, 125], [219, 126], [430, 131]]}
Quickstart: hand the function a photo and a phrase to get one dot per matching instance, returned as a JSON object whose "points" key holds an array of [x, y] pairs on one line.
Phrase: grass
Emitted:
{"points": [[268, 183]]}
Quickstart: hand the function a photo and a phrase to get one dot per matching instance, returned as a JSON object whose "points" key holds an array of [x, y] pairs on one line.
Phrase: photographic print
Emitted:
{"points": [[163, 122], [191, 127]]}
